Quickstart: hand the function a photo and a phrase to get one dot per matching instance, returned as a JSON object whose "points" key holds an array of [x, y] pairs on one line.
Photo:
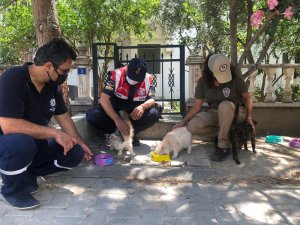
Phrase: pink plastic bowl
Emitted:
{"points": [[103, 159], [295, 143]]}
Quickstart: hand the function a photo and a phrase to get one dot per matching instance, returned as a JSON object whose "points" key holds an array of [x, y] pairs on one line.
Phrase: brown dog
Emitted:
{"points": [[240, 134]]}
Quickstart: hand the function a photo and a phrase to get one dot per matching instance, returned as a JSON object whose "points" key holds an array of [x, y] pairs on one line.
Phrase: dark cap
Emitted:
{"points": [[137, 69]]}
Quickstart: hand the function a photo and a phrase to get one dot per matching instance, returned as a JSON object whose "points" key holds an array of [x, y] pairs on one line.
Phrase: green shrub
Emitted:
{"points": [[279, 90], [295, 92], [259, 94]]}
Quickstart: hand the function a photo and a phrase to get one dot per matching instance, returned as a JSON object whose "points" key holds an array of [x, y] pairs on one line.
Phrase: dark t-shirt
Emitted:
{"points": [[19, 98], [231, 91]]}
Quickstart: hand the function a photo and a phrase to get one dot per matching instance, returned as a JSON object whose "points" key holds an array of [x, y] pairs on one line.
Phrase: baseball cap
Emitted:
{"points": [[219, 64], [137, 69]]}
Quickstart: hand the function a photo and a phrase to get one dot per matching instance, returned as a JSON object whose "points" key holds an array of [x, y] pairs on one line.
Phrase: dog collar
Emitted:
{"points": [[103, 159]]}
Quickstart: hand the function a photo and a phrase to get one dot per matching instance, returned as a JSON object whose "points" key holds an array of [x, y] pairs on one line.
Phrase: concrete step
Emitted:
{"points": [[156, 132], [272, 118]]}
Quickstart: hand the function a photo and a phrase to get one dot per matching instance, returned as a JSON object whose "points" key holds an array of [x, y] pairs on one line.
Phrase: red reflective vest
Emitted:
{"points": [[122, 87]]}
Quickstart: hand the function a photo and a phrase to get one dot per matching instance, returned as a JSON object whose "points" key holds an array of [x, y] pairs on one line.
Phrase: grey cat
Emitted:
{"points": [[116, 141]]}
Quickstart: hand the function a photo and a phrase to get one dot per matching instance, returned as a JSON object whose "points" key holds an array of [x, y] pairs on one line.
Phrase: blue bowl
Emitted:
{"points": [[274, 139]]}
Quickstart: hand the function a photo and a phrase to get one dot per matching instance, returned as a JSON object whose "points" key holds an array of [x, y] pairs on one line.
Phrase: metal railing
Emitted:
{"points": [[165, 62]]}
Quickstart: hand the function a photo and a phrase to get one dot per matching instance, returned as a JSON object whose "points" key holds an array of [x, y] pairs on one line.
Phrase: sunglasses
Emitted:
{"points": [[56, 67]]}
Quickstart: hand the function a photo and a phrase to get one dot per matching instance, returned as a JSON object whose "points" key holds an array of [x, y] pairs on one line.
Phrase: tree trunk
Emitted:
{"points": [[46, 28], [249, 56], [233, 31], [45, 21]]}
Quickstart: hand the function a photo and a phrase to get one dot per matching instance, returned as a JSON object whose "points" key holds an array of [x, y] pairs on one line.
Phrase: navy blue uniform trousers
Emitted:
{"points": [[98, 118], [21, 154]]}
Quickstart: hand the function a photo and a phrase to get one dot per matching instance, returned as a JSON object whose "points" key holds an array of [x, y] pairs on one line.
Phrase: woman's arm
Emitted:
{"points": [[249, 107], [191, 113]]}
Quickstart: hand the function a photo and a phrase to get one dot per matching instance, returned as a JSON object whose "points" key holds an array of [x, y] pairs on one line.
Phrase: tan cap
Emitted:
{"points": [[219, 64]]}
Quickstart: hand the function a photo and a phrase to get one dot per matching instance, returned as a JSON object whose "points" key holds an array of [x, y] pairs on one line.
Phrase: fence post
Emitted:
{"points": [[182, 80], [251, 88], [195, 64], [288, 73], [270, 72], [82, 65]]}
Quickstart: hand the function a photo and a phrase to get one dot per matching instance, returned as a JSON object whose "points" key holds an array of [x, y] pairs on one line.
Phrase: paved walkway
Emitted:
{"points": [[264, 189]]}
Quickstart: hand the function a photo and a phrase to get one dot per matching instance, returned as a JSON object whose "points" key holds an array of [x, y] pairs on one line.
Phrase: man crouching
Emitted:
{"points": [[29, 96]]}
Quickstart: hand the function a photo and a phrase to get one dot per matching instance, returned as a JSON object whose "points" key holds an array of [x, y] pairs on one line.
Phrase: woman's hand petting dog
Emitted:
{"points": [[251, 122]]}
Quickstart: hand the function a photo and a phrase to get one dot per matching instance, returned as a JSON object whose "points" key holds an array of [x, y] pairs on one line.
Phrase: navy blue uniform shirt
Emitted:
{"points": [[20, 99]]}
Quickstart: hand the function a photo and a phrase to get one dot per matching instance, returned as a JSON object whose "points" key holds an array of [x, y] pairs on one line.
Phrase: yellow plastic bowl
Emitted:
{"points": [[159, 158]]}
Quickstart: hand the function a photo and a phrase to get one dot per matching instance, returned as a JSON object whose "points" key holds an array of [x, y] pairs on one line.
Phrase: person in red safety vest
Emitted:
{"points": [[128, 88], [123, 83]]}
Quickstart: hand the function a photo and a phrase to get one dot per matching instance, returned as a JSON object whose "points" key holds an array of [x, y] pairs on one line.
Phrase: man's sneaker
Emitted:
{"points": [[31, 185], [21, 200], [220, 154], [135, 141]]}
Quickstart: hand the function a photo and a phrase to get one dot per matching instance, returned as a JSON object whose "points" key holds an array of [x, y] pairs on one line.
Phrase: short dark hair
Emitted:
{"points": [[56, 51]]}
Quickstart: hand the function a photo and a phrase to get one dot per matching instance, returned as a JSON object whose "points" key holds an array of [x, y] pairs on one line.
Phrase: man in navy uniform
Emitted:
{"points": [[29, 96], [127, 88]]}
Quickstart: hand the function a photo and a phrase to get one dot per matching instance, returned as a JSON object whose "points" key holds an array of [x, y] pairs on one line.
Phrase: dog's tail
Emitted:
{"points": [[124, 116]]}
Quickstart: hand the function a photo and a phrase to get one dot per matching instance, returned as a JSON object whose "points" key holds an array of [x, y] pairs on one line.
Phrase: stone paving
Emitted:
{"points": [[264, 189]]}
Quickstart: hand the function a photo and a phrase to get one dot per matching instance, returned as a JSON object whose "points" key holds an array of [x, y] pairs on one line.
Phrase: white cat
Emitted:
{"points": [[174, 141], [116, 141]]}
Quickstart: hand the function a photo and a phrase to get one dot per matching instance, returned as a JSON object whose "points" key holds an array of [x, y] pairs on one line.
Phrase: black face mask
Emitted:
{"points": [[60, 80]]}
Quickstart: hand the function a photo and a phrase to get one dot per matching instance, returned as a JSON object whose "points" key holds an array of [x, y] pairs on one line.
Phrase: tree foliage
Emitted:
{"points": [[204, 26], [225, 26], [85, 21], [104, 21], [17, 36], [194, 24]]}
